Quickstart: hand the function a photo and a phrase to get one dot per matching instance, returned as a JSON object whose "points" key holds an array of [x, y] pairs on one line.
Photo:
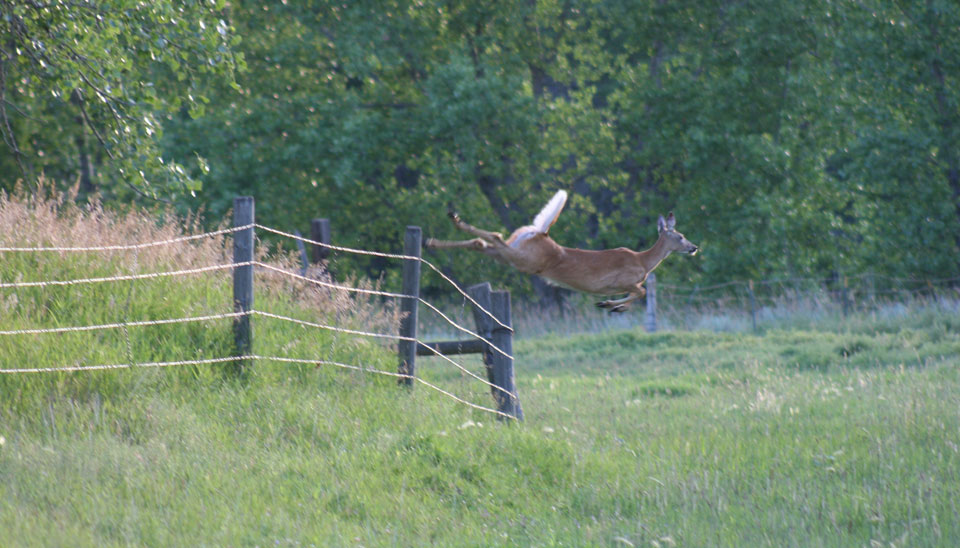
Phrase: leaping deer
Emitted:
{"points": [[606, 272]]}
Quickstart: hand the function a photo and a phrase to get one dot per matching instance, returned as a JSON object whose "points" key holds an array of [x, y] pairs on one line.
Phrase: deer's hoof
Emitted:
{"points": [[611, 306]]}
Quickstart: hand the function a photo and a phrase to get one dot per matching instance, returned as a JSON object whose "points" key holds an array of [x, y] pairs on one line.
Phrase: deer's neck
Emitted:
{"points": [[655, 255]]}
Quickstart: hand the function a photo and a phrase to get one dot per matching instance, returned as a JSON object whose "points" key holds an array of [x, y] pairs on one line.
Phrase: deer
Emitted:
{"points": [[599, 272]]}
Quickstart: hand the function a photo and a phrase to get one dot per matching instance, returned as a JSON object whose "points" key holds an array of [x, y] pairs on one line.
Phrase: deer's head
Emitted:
{"points": [[674, 240]]}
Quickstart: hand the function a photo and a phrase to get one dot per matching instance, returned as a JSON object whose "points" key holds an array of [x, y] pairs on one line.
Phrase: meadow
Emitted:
{"points": [[820, 431]]}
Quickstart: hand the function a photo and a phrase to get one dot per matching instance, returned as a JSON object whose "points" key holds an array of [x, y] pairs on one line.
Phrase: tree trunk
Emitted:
{"points": [[87, 186]]}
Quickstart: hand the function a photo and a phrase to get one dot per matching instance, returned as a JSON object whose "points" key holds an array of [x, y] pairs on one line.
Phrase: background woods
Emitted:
{"points": [[803, 139]]}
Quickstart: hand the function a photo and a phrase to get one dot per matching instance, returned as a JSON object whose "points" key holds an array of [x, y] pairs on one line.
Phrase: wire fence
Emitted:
{"points": [[258, 266], [853, 289], [782, 299], [849, 291]]}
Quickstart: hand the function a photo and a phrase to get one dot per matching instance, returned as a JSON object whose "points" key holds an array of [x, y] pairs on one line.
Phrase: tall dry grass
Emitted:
{"points": [[48, 218]]}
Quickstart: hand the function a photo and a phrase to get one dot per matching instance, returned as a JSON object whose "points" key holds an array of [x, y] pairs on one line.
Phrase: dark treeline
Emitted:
{"points": [[790, 138]]}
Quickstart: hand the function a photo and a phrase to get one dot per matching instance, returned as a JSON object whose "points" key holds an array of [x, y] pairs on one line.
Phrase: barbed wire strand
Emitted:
{"points": [[126, 277], [151, 275], [821, 281], [304, 323], [384, 336], [388, 256], [389, 374], [74, 368], [120, 325], [208, 361], [126, 247], [383, 294]]}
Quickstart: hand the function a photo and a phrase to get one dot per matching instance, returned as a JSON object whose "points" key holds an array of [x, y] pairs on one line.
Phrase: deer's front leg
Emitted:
{"points": [[620, 305]]}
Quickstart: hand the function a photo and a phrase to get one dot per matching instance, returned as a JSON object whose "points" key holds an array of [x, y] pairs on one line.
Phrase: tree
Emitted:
{"points": [[85, 87], [902, 164], [757, 123]]}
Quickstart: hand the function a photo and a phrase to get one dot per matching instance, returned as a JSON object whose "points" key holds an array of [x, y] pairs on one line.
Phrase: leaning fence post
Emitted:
{"points": [[408, 306], [650, 321], [507, 400], [499, 368], [480, 293], [243, 275]]}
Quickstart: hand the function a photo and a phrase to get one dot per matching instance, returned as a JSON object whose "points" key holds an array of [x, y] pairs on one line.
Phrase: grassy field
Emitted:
{"points": [[830, 433]]}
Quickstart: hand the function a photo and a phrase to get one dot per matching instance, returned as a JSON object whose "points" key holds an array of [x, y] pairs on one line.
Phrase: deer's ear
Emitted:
{"points": [[661, 224], [671, 221]]}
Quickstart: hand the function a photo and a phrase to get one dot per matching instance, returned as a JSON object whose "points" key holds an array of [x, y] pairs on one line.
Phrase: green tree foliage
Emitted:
{"points": [[790, 138], [901, 163], [84, 86]]}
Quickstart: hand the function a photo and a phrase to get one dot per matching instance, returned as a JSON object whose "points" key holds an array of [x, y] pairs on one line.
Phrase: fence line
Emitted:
{"points": [[777, 291], [210, 361], [382, 336], [73, 368], [122, 324], [389, 374], [129, 246], [821, 281], [383, 294], [153, 275], [224, 316], [125, 277], [692, 294], [240, 314], [388, 256]]}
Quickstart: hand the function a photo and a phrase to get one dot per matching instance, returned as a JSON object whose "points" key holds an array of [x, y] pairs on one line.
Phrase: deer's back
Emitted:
{"points": [[601, 272]]}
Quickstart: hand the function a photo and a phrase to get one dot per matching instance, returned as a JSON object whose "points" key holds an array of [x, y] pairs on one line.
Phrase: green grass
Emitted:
{"points": [[797, 436], [681, 438]]}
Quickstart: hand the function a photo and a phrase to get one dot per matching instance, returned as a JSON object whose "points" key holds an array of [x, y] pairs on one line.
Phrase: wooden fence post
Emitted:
{"points": [[408, 305], [480, 293], [499, 367], [319, 232], [243, 241], [753, 304], [650, 321], [507, 402]]}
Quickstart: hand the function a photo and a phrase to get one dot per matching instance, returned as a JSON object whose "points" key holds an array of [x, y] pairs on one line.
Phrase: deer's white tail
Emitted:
{"points": [[548, 215]]}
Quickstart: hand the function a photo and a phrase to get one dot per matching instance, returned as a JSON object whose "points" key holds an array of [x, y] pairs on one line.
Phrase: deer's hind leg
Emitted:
{"points": [[492, 238], [475, 244]]}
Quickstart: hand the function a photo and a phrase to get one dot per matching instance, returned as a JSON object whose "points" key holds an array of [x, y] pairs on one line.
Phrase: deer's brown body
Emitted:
{"points": [[612, 271]]}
